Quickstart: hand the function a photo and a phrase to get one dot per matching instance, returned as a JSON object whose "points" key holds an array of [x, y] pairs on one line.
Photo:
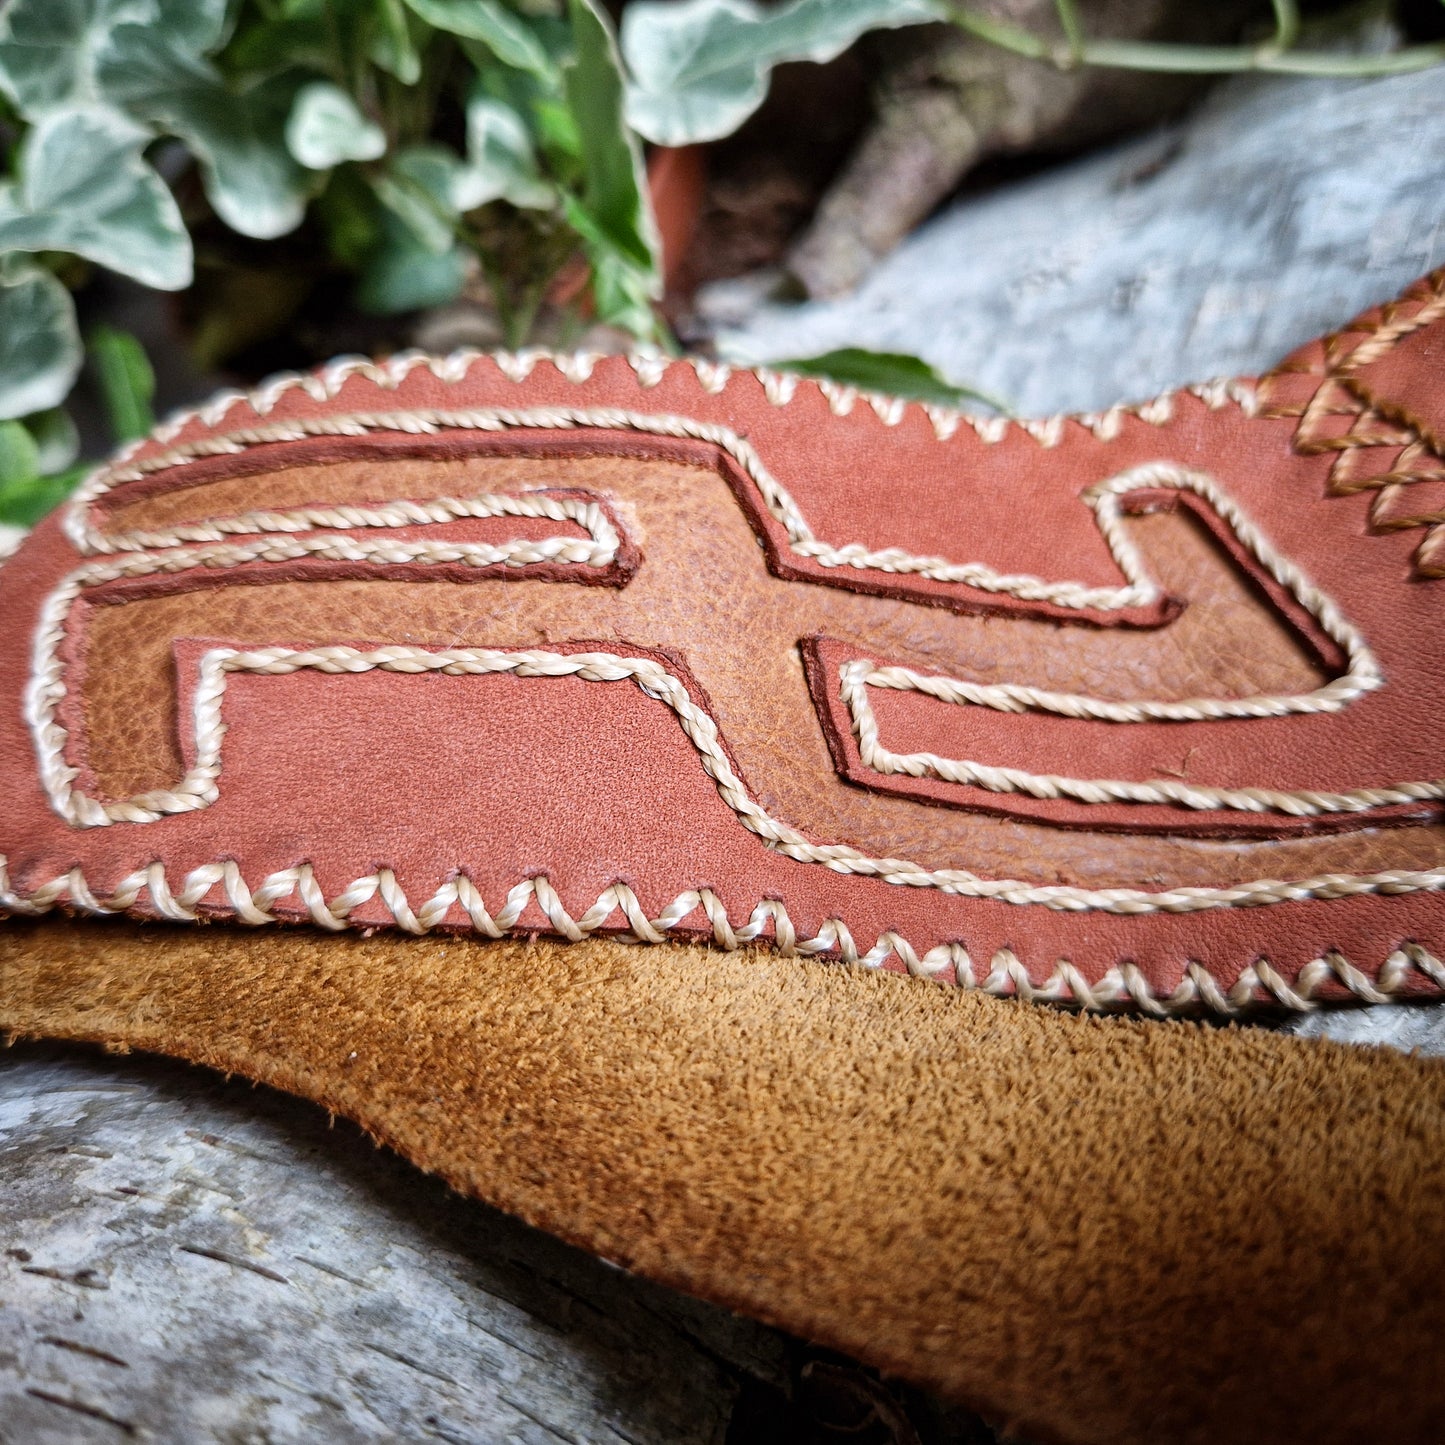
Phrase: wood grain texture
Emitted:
{"points": [[183, 1258]]}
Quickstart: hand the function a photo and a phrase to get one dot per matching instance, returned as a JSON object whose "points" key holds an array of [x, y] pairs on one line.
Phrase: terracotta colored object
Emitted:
{"points": [[676, 186], [1145, 704]]}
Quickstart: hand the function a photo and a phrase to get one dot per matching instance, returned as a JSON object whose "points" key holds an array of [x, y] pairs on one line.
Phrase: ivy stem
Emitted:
{"points": [[1275, 55]]}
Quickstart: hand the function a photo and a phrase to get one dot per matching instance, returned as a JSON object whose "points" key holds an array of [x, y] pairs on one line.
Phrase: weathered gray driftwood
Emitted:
{"points": [[186, 1260], [947, 100], [1277, 210]]}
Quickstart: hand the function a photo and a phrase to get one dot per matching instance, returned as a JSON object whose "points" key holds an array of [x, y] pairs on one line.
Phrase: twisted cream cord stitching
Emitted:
{"points": [[1139, 590], [199, 788], [588, 515], [46, 686], [1125, 984], [1363, 674], [855, 678]]}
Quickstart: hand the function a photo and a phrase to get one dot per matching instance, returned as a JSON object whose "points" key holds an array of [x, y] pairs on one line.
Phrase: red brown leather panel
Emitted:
{"points": [[763, 687], [1232, 752], [749, 526]]}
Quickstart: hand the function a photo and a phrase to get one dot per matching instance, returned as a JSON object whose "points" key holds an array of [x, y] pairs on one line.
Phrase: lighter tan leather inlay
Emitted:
{"points": [[382, 480]]}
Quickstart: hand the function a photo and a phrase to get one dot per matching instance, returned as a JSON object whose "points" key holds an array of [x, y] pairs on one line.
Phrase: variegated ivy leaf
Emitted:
{"points": [[57, 442], [700, 68], [326, 127], [84, 186], [197, 26], [51, 51], [48, 48], [501, 163], [505, 33], [237, 136], [420, 187], [392, 46], [40, 352]]}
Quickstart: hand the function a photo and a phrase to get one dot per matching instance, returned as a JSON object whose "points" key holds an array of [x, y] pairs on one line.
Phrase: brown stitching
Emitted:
{"points": [[1376, 426]]}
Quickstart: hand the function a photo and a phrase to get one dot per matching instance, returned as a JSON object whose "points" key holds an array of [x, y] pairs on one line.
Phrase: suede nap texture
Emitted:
{"points": [[1092, 1229]]}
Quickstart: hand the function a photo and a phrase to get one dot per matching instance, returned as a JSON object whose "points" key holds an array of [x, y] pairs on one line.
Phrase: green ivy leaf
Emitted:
{"points": [[85, 187], [127, 382], [419, 187], [51, 51], [612, 215], [264, 45], [392, 46], [23, 504], [403, 275], [57, 443], [27, 488], [48, 49], [237, 136], [40, 350], [197, 26], [505, 34], [19, 458], [501, 163], [700, 67], [326, 127], [889, 372], [351, 218]]}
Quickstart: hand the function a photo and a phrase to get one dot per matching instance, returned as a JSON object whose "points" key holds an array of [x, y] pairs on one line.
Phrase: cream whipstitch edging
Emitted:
{"points": [[198, 789], [779, 388], [1140, 589], [458, 903], [47, 685]]}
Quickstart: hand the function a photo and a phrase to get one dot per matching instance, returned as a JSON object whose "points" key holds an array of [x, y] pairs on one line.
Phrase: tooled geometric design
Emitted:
{"points": [[198, 789], [1139, 589], [1378, 446], [699, 912], [1362, 675], [856, 677], [285, 537], [294, 534]]}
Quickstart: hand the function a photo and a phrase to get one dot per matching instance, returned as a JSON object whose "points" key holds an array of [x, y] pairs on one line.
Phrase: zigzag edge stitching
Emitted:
{"points": [[779, 389], [1259, 986]]}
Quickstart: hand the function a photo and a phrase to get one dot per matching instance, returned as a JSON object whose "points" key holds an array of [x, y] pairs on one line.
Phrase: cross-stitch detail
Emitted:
{"points": [[1373, 452]]}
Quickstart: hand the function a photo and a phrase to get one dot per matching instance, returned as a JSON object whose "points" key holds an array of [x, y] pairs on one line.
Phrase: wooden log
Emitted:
{"points": [[183, 1258]]}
